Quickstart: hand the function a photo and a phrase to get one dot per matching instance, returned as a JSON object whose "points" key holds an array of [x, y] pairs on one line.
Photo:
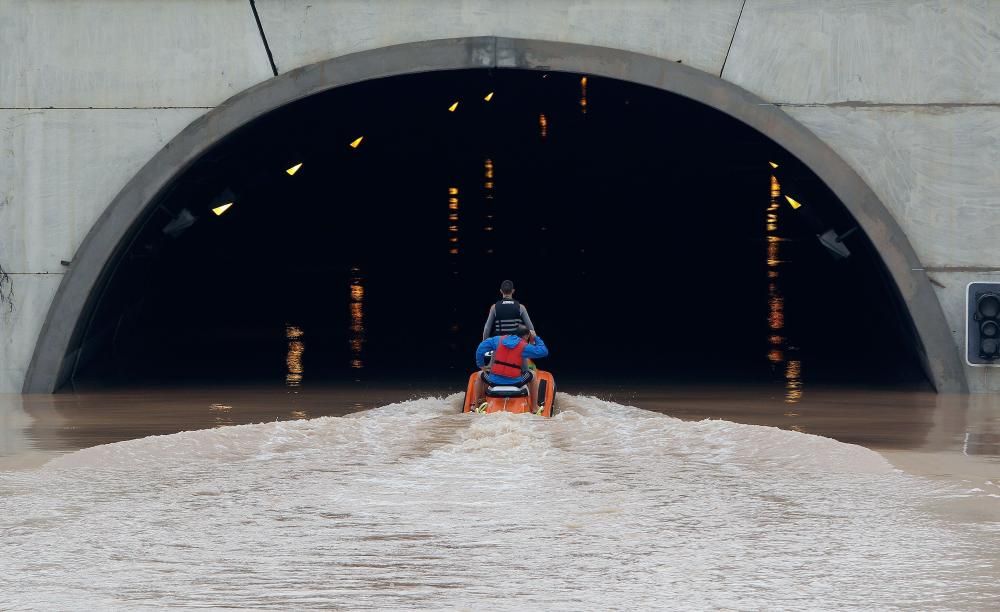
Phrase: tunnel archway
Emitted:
{"points": [[61, 337]]}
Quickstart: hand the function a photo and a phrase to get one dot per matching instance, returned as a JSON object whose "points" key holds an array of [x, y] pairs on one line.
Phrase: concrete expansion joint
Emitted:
{"points": [[263, 37], [38, 108], [962, 269], [732, 38], [902, 105]]}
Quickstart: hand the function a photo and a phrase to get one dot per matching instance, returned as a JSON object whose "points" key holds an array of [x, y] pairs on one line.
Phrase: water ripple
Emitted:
{"points": [[413, 505]]}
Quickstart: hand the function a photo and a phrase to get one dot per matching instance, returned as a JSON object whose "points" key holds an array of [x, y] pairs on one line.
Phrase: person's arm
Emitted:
{"points": [[526, 318], [490, 318], [487, 345], [536, 350]]}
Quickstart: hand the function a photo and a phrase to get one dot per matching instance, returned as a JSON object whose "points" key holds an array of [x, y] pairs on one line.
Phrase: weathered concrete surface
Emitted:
{"points": [[898, 52], [19, 329], [936, 169], [60, 169], [303, 32], [116, 53], [124, 78]]}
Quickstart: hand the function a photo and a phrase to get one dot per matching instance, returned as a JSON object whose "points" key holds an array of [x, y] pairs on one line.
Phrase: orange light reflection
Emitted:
{"points": [[357, 312], [293, 359], [778, 352]]}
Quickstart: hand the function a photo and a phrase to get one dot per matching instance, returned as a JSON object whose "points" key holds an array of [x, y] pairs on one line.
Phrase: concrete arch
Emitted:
{"points": [[65, 324]]}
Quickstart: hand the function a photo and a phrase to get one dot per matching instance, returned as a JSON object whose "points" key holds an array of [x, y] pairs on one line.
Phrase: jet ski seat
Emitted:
{"points": [[507, 391], [516, 389]]}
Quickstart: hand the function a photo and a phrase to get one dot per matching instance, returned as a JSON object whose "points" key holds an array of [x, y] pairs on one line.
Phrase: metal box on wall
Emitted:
{"points": [[982, 324]]}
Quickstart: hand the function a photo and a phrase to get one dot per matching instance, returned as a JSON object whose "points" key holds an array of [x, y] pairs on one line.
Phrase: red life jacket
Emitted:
{"points": [[507, 361]]}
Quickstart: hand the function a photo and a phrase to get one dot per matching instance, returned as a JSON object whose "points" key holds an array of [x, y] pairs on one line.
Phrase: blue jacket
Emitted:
{"points": [[531, 351]]}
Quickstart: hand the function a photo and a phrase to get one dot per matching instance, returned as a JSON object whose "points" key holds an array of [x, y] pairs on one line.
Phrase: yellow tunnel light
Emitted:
{"points": [[773, 165], [453, 190], [795, 203], [452, 108], [489, 96], [291, 171], [218, 210], [356, 142]]}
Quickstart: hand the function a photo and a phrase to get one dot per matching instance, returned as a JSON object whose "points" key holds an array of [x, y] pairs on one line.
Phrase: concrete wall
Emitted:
{"points": [[937, 168], [89, 91], [907, 92], [60, 168], [698, 33]]}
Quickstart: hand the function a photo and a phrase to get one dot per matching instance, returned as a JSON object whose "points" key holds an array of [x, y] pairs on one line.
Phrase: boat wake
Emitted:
{"points": [[416, 505]]}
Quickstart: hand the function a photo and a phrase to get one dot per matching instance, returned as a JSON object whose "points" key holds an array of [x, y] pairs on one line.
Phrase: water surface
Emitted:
{"points": [[413, 505]]}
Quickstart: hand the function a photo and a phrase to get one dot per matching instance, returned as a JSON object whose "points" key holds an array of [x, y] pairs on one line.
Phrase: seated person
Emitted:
{"points": [[509, 363]]}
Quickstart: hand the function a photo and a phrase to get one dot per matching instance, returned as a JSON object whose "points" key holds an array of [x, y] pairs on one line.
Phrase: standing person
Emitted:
{"points": [[506, 314]]}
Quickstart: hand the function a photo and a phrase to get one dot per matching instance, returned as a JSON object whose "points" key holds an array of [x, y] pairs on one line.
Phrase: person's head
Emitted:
{"points": [[522, 331], [507, 288]]}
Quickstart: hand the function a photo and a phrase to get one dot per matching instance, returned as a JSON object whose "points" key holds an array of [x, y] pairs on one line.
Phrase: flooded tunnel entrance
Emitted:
{"points": [[361, 234], [356, 237]]}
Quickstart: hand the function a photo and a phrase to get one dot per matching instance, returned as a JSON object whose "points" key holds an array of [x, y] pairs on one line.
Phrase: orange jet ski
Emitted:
{"points": [[512, 398]]}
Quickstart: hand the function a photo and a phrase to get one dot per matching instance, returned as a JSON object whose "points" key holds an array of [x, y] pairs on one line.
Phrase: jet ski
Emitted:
{"points": [[512, 398]]}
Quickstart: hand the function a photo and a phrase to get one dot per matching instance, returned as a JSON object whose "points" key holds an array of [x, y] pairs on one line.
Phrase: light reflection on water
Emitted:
{"points": [[222, 416], [779, 353], [455, 252], [293, 359], [453, 218], [357, 311], [486, 238]]}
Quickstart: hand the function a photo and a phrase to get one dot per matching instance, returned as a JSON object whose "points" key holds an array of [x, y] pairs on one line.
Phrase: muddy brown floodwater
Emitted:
{"points": [[637, 497]]}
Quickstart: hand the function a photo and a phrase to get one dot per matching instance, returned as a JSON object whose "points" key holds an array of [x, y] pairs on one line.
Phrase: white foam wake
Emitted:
{"points": [[414, 505]]}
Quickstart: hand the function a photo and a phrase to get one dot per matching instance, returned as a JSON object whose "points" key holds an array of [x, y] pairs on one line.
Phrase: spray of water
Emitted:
{"points": [[414, 505]]}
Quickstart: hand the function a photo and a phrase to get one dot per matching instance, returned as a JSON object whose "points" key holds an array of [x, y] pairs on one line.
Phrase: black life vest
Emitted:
{"points": [[507, 317]]}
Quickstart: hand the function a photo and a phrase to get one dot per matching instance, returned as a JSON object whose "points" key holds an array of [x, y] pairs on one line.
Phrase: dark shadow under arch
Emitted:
{"points": [[58, 343]]}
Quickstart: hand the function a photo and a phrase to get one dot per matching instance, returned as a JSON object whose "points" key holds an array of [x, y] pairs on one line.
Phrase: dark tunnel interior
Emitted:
{"points": [[648, 235]]}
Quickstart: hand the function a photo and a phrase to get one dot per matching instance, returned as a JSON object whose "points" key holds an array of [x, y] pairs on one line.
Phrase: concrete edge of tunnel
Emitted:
{"points": [[66, 320]]}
